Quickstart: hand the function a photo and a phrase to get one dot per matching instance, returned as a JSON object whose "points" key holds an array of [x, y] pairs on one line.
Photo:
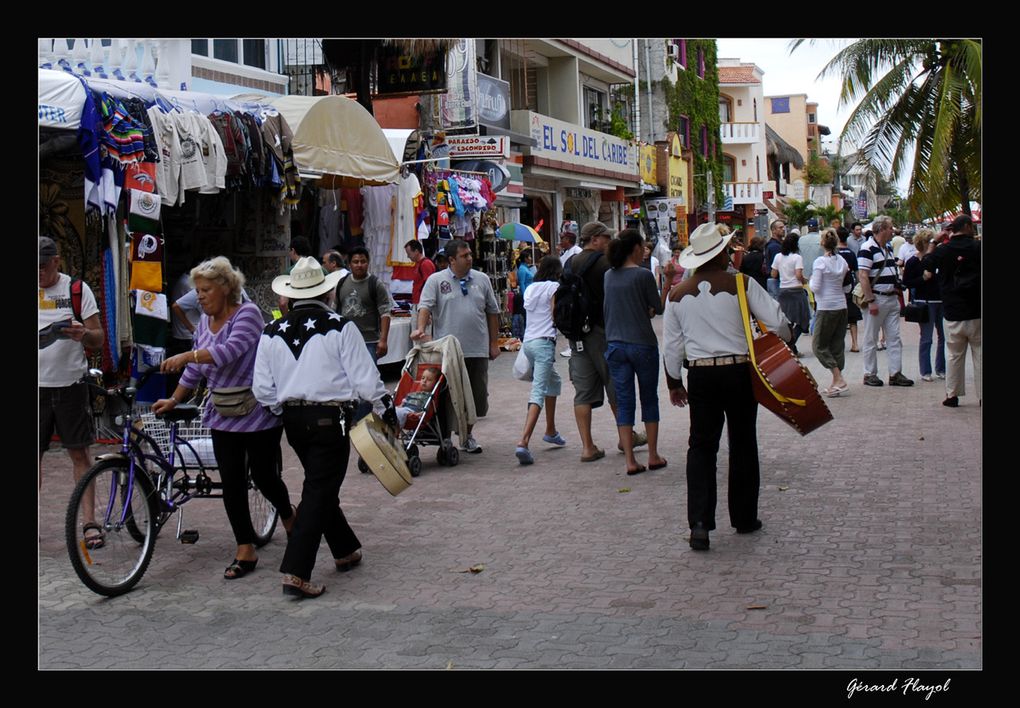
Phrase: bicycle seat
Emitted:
{"points": [[182, 413]]}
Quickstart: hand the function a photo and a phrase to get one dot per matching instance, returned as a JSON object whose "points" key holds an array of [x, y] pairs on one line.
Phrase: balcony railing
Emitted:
{"points": [[739, 133], [743, 192], [124, 59]]}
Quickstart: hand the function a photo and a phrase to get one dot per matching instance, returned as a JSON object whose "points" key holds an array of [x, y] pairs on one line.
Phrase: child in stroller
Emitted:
{"points": [[417, 404]]}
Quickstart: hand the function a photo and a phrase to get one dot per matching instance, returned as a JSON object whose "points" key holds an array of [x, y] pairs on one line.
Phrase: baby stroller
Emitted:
{"points": [[423, 425]]}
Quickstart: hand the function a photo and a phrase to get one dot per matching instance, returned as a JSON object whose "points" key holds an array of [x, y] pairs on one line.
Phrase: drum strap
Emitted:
{"points": [[746, 316]]}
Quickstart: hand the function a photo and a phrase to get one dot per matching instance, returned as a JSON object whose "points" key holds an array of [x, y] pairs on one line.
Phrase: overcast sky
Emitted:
{"points": [[797, 73]]}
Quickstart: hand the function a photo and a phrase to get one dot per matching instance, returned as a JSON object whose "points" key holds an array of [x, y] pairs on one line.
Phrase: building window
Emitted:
{"points": [[682, 43], [757, 167], [781, 105], [255, 53], [811, 118], [724, 109], [701, 62], [684, 129], [756, 110], [729, 169], [704, 142], [200, 46], [225, 49], [596, 115]]}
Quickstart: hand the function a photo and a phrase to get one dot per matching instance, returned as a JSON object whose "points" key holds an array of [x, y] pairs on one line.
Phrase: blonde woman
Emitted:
{"points": [[224, 348], [828, 342]]}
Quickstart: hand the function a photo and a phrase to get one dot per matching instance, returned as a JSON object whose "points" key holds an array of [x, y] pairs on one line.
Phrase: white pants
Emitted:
{"points": [[888, 320], [958, 336]]}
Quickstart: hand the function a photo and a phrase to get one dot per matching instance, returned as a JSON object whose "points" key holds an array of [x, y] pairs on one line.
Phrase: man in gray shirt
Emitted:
{"points": [[461, 303], [810, 246], [364, 300], [856, 238]]}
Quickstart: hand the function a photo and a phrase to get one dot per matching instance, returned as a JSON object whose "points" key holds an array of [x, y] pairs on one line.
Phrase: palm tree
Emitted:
{"points": [[928, 102], [797, 212]]}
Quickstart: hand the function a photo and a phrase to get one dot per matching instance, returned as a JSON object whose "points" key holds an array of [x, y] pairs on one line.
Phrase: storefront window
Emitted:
{"points": [[200, 46]]}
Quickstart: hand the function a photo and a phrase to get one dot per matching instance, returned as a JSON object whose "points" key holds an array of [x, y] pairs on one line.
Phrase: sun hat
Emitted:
{"points": [[305, 280], [706, 243]]}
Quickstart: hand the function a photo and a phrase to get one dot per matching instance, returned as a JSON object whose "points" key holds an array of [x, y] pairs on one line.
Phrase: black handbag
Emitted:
{"points": [[915, 312]]}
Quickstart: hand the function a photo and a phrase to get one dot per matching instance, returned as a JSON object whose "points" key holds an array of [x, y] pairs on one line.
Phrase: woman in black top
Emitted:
{"points": [[926, 292], [753, 263], [853, 313]]}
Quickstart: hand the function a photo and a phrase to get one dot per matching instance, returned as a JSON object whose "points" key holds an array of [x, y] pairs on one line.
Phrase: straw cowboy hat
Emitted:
{"points": [[305, 280], [706, 243]]}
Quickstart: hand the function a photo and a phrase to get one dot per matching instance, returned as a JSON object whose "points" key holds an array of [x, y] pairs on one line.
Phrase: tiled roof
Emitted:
{"points": [[737, 75]]}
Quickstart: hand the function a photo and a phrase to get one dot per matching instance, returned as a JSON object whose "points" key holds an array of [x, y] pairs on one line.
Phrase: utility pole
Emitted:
{"points": [[710, 186]]}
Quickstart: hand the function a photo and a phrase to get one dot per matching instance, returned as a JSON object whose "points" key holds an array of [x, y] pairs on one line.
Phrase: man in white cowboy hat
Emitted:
{"points": [[703, 331], [312, 366]]}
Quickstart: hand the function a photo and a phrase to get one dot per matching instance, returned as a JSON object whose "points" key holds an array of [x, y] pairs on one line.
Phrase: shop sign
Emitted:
{"points": [[479, 145], [576, 145], [493, 102], [681, 226], [457, 105], [663, 216], [677, 186], [648, 164], [578, 193], [399, 73]]}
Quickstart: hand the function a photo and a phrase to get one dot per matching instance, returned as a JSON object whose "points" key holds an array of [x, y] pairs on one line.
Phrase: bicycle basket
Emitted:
{"points": [[194, 431]]}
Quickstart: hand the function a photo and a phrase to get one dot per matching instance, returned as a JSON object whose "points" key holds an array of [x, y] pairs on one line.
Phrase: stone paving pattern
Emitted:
{"points": [[870, 557]]}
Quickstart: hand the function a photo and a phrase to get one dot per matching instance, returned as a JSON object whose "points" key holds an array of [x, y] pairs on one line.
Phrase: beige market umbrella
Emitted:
{"points": [[336, 139]]}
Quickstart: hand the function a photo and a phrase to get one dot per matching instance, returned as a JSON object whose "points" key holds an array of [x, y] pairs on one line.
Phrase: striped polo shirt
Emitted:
{"points": [[233, 349], [880, 264]]}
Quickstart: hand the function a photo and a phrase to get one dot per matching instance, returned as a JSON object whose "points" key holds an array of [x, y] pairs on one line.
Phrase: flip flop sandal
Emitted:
{"points": [[639, 470], [239, 569], [659, 466], [95, 541], [597, 455]]}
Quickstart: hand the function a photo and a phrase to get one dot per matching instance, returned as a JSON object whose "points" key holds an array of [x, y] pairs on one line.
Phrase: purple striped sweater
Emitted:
{"points": [[233, 349]]}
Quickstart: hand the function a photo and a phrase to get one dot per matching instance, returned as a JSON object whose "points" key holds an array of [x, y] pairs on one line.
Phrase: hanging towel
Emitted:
{"points": [[147, 262], [112, 345], [143, 215]]}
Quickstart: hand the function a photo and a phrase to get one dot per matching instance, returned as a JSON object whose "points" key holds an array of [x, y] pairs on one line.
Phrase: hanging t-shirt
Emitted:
{"points": [[214, 158], [192, 170], [168, 170], [63, 362], [379, 203], [408, 190]]}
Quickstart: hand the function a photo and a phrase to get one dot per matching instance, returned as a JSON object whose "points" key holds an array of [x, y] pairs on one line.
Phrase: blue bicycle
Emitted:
{"points": [[127, 497]]}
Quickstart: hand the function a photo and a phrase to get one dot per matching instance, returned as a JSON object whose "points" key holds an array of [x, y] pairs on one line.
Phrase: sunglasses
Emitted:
{"points": [[463, 286]]}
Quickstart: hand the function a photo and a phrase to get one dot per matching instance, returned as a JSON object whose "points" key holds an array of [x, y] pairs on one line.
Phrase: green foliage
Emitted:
{"points": [[698, 99], [798, 212], [818, 172], [618, 124], [826, 214]]}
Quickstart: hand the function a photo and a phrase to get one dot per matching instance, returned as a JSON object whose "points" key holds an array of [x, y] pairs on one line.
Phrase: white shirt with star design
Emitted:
{"points": [[313, 354]]}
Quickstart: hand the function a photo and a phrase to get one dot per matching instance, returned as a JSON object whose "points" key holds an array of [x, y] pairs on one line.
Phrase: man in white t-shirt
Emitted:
{"points": [[68, 322]]}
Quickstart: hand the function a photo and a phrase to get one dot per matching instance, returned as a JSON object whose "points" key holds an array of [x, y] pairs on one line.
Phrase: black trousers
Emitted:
{"points": [[323, 446], [234, 452], [715, 393]]}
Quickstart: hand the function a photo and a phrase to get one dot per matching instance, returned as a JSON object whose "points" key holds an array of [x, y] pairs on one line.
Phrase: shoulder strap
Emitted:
{"points": [[745, 315], [76, 297], [589, 264]]}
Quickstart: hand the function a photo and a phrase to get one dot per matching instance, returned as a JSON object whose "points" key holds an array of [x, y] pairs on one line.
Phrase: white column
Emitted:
{"points": [[148, 63], [117, 49], [46, 53], [131, 61], [79, 55]]}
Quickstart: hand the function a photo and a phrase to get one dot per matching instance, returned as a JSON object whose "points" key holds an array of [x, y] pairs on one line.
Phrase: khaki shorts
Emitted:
{"points": [[589, 371]]}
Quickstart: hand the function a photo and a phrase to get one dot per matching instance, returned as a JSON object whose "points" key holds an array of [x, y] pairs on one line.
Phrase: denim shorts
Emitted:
{"points": [[546, 382]]}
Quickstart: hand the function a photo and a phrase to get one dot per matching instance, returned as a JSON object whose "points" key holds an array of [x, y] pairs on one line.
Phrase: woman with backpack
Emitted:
{"points": [[631, 301], [540, 349]]}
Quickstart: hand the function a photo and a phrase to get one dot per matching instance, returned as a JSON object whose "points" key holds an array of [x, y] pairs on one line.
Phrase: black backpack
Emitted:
{"points": [[571, 313]]}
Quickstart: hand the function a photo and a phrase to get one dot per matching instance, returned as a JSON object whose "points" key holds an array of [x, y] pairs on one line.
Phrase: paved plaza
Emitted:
{"points": [[870, 556]]}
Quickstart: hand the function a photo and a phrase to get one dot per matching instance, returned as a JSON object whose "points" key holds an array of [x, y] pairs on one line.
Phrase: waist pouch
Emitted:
{"points": [[234, 401]]}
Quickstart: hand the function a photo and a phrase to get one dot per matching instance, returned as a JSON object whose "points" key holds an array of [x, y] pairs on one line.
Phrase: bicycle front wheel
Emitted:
{"points": [[263, 514], [113, 559]]}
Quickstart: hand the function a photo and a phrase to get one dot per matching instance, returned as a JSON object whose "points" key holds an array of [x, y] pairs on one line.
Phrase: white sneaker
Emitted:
{"points": [[471, 446], [565, 352], [941, 376], [927, 377]]}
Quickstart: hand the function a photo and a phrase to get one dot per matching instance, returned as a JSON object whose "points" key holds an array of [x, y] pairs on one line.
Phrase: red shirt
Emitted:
{"points": [[422, 270]]}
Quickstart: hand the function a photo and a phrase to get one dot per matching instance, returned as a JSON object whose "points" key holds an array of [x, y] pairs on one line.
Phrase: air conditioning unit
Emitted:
{"points": [[673, 52]]}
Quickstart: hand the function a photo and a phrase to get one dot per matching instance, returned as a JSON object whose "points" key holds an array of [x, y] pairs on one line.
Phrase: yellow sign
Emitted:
{"points": [[681, 226], [677, 187], [647, 163]]}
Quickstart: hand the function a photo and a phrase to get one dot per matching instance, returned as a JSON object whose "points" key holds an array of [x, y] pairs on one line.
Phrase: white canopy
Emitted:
{"points": [[336, 137], [397, 138], [61, 97]]}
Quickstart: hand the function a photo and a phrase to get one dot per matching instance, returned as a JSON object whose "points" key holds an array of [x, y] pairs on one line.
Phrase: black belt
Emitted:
{"points": [[338, 404]]}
